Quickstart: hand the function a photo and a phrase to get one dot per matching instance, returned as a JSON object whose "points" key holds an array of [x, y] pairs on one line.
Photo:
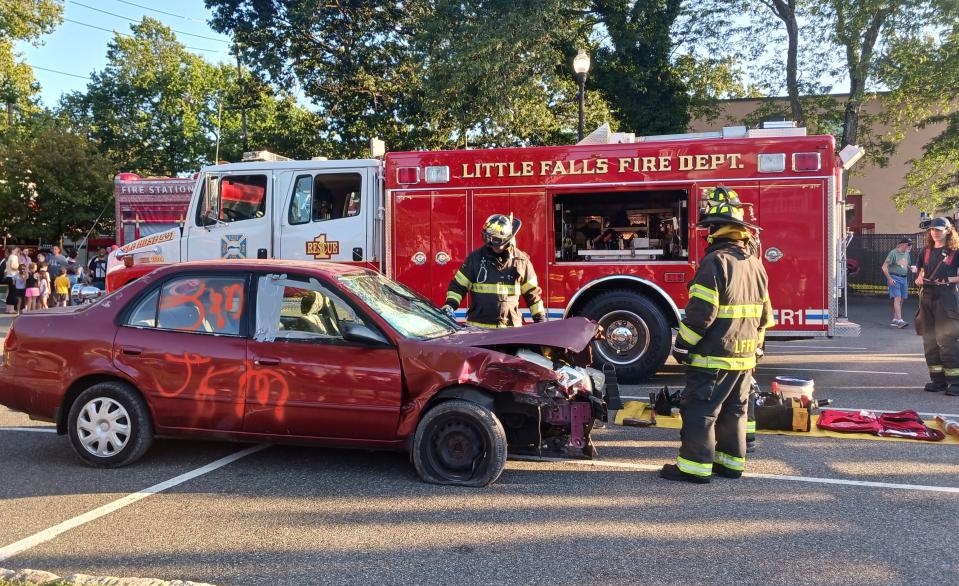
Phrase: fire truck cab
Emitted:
{"points": [[609, 224]]}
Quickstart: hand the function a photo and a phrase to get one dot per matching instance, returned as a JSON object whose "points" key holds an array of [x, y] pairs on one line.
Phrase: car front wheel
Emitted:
{"points": [[459, 443], [109, 425]]}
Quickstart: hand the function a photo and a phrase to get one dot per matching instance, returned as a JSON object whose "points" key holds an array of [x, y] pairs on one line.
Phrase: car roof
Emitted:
{"points": [[329, 269]]}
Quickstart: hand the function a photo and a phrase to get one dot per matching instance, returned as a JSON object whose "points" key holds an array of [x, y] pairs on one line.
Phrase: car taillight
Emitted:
{"points": [[10, 341]]}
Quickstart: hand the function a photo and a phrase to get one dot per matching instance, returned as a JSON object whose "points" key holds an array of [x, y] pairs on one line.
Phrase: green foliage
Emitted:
{"points": [[22, 21], [53, 181]]}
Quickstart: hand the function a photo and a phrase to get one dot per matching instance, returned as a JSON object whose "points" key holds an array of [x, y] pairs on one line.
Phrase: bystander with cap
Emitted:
{"points": [[896, 269]]}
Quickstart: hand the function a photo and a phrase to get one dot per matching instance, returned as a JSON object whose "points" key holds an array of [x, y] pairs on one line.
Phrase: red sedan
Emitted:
{"points": [[315, 353]]}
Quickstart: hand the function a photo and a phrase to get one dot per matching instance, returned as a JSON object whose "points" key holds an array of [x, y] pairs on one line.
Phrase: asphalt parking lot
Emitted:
{"points": [[811, 511]]}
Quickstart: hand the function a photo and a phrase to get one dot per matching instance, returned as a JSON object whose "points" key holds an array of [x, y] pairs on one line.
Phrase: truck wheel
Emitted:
{"points": [[637, 336], [109, 425], [459, 443]]}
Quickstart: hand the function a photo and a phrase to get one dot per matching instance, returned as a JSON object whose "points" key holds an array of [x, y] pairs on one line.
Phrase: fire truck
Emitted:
{"points": [[609, 224]]}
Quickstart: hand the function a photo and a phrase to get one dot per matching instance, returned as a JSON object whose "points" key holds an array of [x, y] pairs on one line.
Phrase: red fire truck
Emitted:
{"points": [[610, 227], [147, 205]]}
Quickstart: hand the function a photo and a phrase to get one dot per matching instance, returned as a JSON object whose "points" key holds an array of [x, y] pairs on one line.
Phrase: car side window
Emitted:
{"points": [[212, 305], [301, 310], [144, 315]]}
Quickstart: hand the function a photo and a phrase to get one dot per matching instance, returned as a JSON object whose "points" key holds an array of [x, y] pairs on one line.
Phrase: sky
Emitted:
{"points": [[78, 49]]}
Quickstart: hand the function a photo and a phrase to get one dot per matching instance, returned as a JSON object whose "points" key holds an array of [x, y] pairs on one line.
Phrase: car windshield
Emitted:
{"points": [[408, 313]]}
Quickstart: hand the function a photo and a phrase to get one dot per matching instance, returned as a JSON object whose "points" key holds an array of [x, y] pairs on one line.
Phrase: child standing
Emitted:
{"points": [[61, 285], [20, 287], [43, 280], [33, 287]]}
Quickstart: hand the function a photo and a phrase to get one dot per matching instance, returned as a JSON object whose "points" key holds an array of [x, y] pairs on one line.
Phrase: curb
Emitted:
{"points": [[38, 578]]}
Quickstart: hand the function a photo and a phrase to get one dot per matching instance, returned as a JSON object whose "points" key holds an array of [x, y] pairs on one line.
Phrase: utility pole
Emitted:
{"points": [[239, 83]]}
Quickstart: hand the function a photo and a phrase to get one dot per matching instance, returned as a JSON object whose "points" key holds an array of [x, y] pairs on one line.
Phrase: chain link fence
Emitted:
{"points": [[866, 254]]}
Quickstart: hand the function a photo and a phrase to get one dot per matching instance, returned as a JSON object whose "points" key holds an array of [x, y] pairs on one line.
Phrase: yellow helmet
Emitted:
{"points": [[722, 206]]}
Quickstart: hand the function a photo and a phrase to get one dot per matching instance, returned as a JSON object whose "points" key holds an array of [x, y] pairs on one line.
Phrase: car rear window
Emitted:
{"points": [[212, 305]]}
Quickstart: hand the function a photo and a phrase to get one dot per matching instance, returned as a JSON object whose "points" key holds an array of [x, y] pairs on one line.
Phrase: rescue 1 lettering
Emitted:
{"points": [[603, 166]]}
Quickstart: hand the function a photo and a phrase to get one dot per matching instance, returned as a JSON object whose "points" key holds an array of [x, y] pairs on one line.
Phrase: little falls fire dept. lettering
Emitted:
{"points": [[601, 166], [322, 249]]}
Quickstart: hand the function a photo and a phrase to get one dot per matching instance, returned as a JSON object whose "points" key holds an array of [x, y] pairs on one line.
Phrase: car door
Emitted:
{"points": [[182, 344], [232, 217], [305, 379]]}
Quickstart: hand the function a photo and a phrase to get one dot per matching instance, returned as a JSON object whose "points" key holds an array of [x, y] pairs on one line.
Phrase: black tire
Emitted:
{"points": [[110, 405], [459, 443], [645, 336]]}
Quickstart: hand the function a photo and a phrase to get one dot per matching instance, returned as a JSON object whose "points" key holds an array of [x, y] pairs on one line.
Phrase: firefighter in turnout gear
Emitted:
{"points": [[938, 318], [719, 341], [495, 276]]}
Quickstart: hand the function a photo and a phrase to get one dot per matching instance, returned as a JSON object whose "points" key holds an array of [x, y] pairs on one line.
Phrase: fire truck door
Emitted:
{"points": [[534, 239], [324, 215], [231, 218], [429, 240]]}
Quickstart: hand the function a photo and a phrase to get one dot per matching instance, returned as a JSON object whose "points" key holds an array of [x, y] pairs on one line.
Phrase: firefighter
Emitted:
{"points": [[719, 341], [495, 275], [938, 318]]}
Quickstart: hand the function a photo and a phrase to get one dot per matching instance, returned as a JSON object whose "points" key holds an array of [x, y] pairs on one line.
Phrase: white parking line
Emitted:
{"points": [[34, 429], [810, 479], [814, 347], [829, 370], [48, 534]]}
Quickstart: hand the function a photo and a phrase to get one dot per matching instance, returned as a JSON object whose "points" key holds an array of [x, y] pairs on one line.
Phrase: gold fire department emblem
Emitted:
{"points": [[322, 249]]}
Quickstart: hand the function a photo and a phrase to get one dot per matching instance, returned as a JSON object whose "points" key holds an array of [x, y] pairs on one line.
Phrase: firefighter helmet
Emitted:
{"points": [[722, 206], [499, 230]]}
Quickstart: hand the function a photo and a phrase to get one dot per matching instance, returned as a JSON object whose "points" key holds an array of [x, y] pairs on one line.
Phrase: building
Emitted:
{"points": [[870, 207]]}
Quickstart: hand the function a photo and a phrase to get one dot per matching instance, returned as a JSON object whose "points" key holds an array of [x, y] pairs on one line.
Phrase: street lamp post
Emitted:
{"points": [[581, 67]]}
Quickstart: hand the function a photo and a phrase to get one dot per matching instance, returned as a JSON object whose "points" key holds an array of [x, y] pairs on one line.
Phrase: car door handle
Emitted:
{"points": [[266, 361], [131, 351]]}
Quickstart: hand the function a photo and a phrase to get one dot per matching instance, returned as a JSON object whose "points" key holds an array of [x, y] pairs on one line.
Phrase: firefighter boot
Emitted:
{"points": [[672, 472], [953, 390], [725, 472], [936, 386]]}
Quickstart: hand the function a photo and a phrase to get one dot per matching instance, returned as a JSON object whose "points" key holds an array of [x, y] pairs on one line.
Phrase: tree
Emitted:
{"points": [[53, 182], [22, 21]]}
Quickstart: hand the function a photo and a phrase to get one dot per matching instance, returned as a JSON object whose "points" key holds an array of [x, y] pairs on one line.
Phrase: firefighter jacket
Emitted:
{"points": [[728, 310], [495, 283]]}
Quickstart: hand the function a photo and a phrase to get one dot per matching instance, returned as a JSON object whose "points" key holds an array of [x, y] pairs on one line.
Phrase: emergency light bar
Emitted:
{"points": [[263, 156]]}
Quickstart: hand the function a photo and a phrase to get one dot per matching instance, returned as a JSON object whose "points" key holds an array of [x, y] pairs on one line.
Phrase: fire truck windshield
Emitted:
{"points": [[408, 313]]}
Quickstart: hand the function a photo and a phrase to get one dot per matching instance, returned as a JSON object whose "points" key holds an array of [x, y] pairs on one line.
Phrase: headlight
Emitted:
{"points": [[574, 378]]}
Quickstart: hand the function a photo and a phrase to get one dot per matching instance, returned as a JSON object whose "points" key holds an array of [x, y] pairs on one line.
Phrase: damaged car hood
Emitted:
{"points": [[573, 334]]}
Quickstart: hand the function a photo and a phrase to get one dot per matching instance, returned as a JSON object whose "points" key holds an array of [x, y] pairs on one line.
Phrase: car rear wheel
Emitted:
{"points": [[459, 443], [109, 425], [637, 336]]}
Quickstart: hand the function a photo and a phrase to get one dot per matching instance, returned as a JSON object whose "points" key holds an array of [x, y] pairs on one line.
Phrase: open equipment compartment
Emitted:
{"points": [[646, 225]]}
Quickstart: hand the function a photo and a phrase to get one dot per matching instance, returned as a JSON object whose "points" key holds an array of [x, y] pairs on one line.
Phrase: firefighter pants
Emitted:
{"points": [[713, 406], [938, 324]]}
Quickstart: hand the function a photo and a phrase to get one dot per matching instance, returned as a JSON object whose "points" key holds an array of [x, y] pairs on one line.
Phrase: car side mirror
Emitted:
{"points": [[363, 335]]}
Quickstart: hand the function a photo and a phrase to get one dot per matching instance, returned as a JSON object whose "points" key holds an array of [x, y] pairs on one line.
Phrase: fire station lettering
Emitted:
{"points": [[623, 165]]}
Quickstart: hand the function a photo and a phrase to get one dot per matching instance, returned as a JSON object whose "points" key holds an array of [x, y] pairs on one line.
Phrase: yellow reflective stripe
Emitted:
{"points": [[537, 308], [454, 296], [722, 362], [935, 368], [705, 293], [951, 371], [462, 280], [731, 462], [691, 337], [496, 288], [750, 427], [695, 468], [529, 285], [486, 325], [740, 311]]}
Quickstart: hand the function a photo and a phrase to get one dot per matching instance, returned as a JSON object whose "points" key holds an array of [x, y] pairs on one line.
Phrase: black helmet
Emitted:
{"points": [[940, 223], [722, 206], [499, 230]]}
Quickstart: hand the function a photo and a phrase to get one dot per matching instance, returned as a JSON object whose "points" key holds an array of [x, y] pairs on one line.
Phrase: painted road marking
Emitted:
{"points": [[829, 370], [924, 415], [36, 429], [815, 347], [809, 479], [52, 532]]}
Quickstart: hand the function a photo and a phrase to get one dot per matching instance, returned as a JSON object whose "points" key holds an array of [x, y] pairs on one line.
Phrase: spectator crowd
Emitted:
{"points": [[38, 280]]}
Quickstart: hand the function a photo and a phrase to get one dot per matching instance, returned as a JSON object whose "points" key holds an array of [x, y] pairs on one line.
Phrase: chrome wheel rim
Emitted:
{"points": [[627, 337], [103, 427]]}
